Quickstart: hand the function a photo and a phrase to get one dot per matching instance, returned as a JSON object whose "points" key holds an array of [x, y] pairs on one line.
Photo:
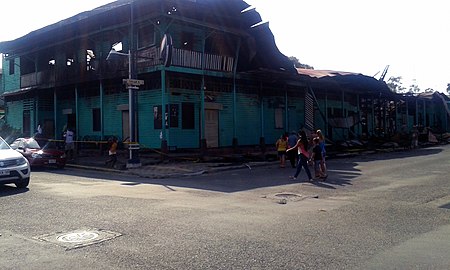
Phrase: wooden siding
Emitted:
{"points": [[225, 118], [148, 135], [185, 138], [112, 118], [61, 120], [248, 122], [11, 82], [85, 120], [14, 117]]}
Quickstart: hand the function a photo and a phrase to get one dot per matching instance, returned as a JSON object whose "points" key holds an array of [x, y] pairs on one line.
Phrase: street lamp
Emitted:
{"points": [[132, 85]]}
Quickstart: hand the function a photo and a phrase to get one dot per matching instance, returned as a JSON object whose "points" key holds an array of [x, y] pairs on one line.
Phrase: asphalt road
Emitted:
{"points": [[382, 211]]}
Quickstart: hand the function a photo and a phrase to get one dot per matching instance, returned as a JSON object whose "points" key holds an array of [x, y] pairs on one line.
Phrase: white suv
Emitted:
{"points": [[14, 168]]}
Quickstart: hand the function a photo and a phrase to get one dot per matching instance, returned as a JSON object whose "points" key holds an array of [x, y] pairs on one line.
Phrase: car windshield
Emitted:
{"points": [[3, 144], [46, 144], [31, 143]]}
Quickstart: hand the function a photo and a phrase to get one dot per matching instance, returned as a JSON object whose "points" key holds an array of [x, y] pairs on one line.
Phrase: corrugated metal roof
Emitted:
{"points": [[323, 73], [357, 82]]}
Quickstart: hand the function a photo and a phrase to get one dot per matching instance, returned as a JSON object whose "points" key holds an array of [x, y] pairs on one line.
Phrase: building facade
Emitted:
{"points": [[224, 82]]}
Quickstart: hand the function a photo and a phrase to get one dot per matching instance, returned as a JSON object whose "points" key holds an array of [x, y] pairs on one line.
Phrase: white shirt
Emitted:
{"points": [[69, 136]]}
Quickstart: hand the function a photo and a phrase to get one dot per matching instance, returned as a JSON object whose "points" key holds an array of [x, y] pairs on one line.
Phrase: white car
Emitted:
{"points": [[14, 167]]}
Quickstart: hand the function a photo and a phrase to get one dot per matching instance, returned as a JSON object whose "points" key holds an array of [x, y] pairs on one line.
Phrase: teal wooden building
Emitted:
{"points": [[225, 84]]}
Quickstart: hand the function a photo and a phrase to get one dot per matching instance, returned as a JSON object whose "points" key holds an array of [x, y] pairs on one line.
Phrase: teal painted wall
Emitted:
{"points": [[14, 115], [148, 135], [112, 117], [61, 119], [177, 136], [11, 82], [248, 121], [225, 118], [85, 119]]}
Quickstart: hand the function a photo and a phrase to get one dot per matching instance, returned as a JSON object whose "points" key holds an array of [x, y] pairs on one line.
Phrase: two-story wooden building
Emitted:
{"points": [[225, 84]]}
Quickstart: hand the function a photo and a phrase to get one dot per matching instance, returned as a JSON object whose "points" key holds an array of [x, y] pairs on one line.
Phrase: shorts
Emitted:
{"points": [[317, 165], [69, 146], [281, 153]]}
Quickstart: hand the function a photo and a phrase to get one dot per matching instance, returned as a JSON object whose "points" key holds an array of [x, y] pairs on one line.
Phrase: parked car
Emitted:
{"points": [[14, 167], [40, 152]]}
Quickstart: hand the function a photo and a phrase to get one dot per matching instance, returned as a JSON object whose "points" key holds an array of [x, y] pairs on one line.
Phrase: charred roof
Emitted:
{"points": [[349, 81], [258, 48]]}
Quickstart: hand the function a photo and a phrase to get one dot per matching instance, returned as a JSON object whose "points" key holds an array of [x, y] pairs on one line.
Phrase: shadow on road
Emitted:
{"points": [[342, 172], [10, 190]]}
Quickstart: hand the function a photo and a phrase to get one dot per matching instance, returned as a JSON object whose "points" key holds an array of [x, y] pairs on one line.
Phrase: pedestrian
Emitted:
{"points": [[292, 155], [112, 152], [323, 164], [414, 137], [303, 155], [69, 143], [281, 145], [317, 157], [38, 133]]}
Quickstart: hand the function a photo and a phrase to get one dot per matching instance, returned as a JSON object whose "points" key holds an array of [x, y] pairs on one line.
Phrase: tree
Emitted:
{"points": [[448, 88], [429, 90], [395, 84], [414, 88], [297, 63]]}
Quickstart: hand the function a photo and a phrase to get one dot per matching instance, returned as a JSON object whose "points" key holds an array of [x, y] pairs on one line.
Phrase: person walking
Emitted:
{"points": [[112, 152], [281, 145], [292, 155], [324, 152], [69, 143], [303, 155], [317, 158]]}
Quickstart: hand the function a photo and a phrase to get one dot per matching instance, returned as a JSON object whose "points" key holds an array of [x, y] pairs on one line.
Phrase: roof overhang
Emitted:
{"points": [[20, 91]]}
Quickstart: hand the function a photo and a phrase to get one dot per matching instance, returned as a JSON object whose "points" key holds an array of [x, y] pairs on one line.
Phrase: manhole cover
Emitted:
{"points": [[78, 238]]}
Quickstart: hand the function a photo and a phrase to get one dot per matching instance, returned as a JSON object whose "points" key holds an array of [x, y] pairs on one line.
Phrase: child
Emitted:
{"points": [[281, 145], [112, 153], [317, 157]]}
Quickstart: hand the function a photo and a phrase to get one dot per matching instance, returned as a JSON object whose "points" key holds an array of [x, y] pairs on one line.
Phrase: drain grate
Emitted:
{"points": [[446, 206], [78, 238]]}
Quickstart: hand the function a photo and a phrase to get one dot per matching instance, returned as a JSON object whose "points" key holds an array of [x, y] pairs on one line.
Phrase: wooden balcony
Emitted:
{"points": [[187, 59], [145, 58]]}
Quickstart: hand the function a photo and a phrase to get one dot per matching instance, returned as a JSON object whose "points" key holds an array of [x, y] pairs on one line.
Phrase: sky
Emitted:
{"points": [[412, 37]]}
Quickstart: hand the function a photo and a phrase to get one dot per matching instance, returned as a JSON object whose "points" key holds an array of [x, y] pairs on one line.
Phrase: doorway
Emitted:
{"points": [[26, 123], [212, 128]]}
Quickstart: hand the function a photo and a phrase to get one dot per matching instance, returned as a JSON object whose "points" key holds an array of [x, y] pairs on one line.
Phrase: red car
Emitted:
{"points": [[40, 152]]}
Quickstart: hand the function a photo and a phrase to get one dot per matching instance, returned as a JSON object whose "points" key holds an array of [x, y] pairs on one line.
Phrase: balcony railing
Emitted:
{"points": [[187, 59], [145, 58]]}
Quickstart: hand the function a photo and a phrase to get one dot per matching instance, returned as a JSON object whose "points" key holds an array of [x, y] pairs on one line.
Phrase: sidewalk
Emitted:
{"points": [[175, 165], [180, 164]]}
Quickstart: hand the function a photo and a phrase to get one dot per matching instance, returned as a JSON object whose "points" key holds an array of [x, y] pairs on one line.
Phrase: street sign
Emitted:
{"points": [[133, 82]]}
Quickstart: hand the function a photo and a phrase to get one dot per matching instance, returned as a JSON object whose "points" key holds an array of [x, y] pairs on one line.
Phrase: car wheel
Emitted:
{"points": [[23, 183]]}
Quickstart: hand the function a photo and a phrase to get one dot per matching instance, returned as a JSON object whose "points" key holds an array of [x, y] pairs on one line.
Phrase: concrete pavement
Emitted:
{"points": [[174, 166]]}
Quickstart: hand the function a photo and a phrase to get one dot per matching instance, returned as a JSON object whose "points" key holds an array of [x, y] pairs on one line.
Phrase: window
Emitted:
{"points": [[96, 120], [146, 36], [157, 117], [11, 66], [173, 115], [171, 118], [187, 115]]}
